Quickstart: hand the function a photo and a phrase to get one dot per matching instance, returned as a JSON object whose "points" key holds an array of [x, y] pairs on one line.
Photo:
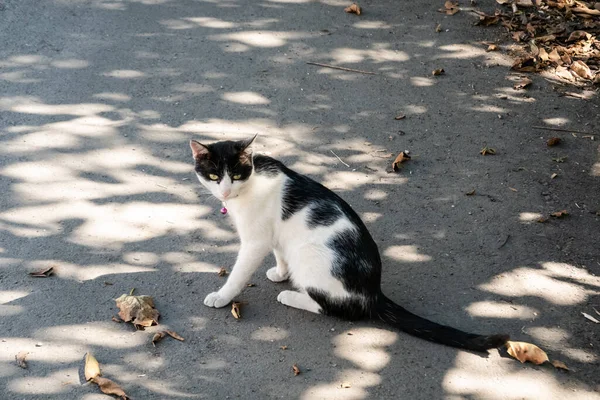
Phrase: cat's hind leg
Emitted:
{"points": [[280, 272], [299, 300]]}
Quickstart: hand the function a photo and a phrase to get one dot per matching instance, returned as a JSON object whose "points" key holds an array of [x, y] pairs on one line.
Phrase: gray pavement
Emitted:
{"points": [[98, 100]]}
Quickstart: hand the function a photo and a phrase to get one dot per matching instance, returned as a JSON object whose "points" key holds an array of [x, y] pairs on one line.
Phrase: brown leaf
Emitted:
{"points": [[438, 71], [492, 47], [251, 285], [109, 387], [554, 175], [20, 359], [553, 141], [519, 36], [158, 336], [487, 150], [524, 351], [137, 309], [438, 28], [543, 54], [283, 347], [542, 220], [115, 319], [564, 73], [582, 70], [487, 20], [526, 64], [450, 8], [353, 9], [222, 272], [559, 365], [401, 158], [578, 35], [523, 84], [296, 370], [235, 310], [91, 367], [471, 193], [399, 117], [560, 214], [44, 273], [587, 316], [513, 189], [175, 335], [554, 56], [545, 38]]}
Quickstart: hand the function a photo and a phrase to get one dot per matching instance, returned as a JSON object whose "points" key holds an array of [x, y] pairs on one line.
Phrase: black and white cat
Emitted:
{"points": [[318, 240]]}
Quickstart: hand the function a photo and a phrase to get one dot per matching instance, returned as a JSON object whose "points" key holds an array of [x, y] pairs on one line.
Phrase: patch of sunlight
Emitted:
{"points": [[406, 254], [365, 347], [529, 216], [490, 109], [125, 74], [49, 353], [114, 96], [31, 105], [420, 81], [6, 296], [493, 309], [264, 39], [360, 381], [461, 51], [245, 98], [548, 282], [376, 194], [197, 323], [71, 63], [196, 266], [142, 361], [348, 180], [17, 77], [210, 22], [88, 272], [414, 109], [349, 55], [269, 334], [195, 88], [372, 25], [141, 257], [558, 121], [371, 216], [596, 169], [25, 59], [105, 334], [43, 385], [10, 310], [476, 377], [556, 340]]}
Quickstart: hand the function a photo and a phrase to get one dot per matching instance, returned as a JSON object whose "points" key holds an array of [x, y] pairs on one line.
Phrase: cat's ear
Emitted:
{"points": [[199, 150], [245, 144]]}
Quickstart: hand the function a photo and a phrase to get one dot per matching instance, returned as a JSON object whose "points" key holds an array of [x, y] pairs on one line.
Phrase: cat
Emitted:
{"points": [[320, 244]]}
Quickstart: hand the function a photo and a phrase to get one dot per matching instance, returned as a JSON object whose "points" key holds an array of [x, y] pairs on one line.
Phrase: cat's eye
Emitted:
{"points": [[213, 177], [236, 177]]}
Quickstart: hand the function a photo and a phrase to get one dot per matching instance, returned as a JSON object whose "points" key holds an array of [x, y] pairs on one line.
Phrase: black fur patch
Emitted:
{"points": [[228, 155], [349, 309], [267, 165]]}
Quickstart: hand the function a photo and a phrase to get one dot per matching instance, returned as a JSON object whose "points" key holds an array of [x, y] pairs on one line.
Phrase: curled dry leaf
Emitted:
{"points": [[115, 319], [559, 365], [175, 335], [296, 370], [399, 117], [554, 175], [438, 28], [353, 9], [523, 84], [235, 310], [553, 141], [542, 220], [283, 347], [91, 367], [109, 387], [487, 150], [438, 71], [44, 273], [525, 64], [401, 158], [560, 214], [450, 8], [20, 359], [222, 272], [471, 193], [137, 309], [251, 285], [582, 70], [524, 351], [492, 47], [588, 316], [158, 336], [513, 189], [578, 35]]}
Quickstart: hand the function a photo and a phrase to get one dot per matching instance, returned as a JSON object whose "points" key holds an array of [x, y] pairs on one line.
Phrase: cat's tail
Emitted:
{"points": [[392, 314]]}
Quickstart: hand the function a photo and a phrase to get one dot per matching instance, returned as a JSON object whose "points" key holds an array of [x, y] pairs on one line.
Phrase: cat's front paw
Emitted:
{"points": [[275, 276], [215, 300]]}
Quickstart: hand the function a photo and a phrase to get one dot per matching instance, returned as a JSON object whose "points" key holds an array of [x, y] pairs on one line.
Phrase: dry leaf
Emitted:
{"points": [[471, 193], [513, 189], [582, 70], [492, 47], [353, 9], [109, 387], [175, 335], [346, 385], [438, 71], [115, 319], [526, 64], [543, 54], [235, 310], [554, 175], [283, 347], [524, 3], [559, 214], [450, 8], [577, 35], [554, 56], [541, 220], [487, 150], [296, 370], [559, 365], [524, 351], [553, 141], [137, 309], [20, 359], [251, 285], [438, 28], [401, 158], [222, 272], [588, 316], [91, 367], [44, 273], [399, 117], [158, 336], [523, 84]]}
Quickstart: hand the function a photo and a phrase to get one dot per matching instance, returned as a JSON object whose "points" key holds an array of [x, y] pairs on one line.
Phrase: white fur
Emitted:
{"points": [[300, 251]]}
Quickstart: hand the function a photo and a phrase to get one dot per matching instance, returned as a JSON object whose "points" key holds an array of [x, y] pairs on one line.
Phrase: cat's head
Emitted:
{"points": [[223, 167]]}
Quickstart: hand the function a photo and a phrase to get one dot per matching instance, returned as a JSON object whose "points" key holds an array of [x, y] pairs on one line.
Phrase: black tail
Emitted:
{"points": [[391, 313]]}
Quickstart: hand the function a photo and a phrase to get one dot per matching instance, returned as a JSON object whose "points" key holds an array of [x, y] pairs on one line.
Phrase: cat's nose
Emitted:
{"points": [[226, 193]]}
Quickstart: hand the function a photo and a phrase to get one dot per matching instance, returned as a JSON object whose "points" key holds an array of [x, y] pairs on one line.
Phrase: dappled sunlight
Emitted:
{"points": [[529, 217], [261, 39], [492, 309], [56, 382], [6, 296], [365, 347], [245, 98], [557, 283], [359, 380], [556, 340], [52, 351], [381, 53], [406, 254], [106, 334], [86, 272], [269, 334]]}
